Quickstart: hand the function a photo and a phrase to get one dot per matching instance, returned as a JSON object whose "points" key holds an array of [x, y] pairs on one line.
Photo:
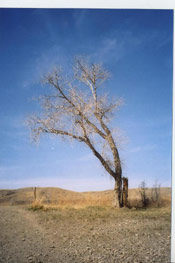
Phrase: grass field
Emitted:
{"points": [[63, 198]]}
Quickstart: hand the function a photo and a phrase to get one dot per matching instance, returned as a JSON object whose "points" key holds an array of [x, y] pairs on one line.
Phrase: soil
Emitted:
{"points": [[85, 235]]}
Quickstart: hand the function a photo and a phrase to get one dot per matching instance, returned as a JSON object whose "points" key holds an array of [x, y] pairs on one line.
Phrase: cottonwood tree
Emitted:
{"points": [[78, 110]]}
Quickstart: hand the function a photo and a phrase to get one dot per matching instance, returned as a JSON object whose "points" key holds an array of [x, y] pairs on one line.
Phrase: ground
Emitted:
{"points": [[92, 234]]}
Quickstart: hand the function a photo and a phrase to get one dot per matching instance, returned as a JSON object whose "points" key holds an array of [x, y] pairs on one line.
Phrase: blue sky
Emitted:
{"points": [[134, 45]]}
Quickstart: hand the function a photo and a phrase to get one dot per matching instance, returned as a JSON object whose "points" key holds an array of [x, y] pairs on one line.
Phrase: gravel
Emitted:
{"points": [[84, 236]]}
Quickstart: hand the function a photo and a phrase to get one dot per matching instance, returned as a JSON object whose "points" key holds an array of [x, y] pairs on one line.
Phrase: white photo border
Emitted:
{"points": [[111, 4], [106, 4]]}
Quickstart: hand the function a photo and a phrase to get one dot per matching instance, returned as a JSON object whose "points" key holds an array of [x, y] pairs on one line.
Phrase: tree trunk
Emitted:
{"points": [[121, 192], [118, 193], [125, 192]]}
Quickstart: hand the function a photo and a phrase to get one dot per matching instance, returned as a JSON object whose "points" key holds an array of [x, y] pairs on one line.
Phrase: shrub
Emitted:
{"points": [[155, 195], [37, 205], [143, 194]]}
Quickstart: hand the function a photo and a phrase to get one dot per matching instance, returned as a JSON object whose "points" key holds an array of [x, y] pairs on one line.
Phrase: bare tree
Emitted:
{"points": [[79, 110], [143, 194], [155, 194]]}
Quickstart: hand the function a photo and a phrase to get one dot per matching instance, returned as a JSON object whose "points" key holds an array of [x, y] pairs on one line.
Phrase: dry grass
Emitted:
{"points": [[56, 197], [101, 214], [37, 205], [85, 200]]}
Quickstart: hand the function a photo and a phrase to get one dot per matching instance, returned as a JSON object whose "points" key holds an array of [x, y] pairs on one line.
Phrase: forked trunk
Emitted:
{"points": [[121, 192]]}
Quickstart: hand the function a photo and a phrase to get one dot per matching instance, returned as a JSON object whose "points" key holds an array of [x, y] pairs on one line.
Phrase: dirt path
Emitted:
{"points": [[27, 236], [22, 238]]}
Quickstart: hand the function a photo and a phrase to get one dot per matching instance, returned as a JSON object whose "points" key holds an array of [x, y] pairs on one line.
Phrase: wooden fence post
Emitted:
{"points": [[34, 192]]}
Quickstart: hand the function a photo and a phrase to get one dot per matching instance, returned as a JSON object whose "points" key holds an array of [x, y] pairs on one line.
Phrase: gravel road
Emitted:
{"points": [[83, 237]]}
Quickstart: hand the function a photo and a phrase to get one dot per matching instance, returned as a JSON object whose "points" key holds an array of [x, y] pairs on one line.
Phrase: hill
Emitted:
{"points": [[60, 197]]}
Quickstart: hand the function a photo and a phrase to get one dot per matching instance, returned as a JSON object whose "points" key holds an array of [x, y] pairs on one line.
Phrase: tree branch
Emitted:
{"points": [[57, 86], [62, 133], [96, 153], [111, 144], [102, 160]]}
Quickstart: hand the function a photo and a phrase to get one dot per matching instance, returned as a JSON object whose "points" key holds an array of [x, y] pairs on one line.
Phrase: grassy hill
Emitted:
{"points": [[53, 196]]}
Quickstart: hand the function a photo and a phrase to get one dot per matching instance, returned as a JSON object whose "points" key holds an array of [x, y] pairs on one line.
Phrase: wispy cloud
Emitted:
{"points": [[143, 148], [87, 157], [155, 37], [43, 63], [119, 44], [114, 47]]}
